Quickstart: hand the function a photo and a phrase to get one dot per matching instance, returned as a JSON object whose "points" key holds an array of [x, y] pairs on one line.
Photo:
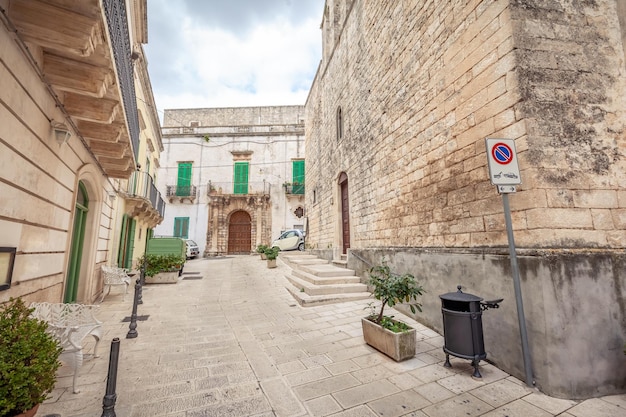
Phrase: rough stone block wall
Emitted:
{"points": [[420, 85]]}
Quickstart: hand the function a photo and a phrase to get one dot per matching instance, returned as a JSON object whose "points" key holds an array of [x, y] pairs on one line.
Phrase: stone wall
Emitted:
{"points": [[420, 86], [235, 116]]}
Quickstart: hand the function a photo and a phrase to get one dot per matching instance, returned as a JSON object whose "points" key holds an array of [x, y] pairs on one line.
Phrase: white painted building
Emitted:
{"points": [[233, 177]]}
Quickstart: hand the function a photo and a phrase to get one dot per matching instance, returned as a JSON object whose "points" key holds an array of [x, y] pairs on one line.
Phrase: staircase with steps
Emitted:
{"points": [[313, 281]]}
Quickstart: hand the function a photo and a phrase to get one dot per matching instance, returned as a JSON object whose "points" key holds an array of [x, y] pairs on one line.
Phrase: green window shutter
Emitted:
{"points": [[121, 252], [130, 246], [183, 185], [181, 227], [241, 178], [298, 177]]}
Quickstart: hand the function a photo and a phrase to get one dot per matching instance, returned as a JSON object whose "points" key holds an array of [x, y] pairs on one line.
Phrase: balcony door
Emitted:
{"points": [[183, 184], [78, 238]]}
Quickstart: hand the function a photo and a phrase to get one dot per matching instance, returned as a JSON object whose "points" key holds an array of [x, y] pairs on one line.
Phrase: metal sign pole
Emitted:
{"points": [[518, 291]]}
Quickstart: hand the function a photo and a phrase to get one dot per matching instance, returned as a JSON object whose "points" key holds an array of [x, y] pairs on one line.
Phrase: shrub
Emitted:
{"points": [[29, 359], [272, 253], [261, 248], [158, 263]]}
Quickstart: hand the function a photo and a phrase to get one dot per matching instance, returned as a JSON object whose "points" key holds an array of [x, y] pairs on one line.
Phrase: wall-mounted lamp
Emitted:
{"points": [[61, 132], [112, 195]]}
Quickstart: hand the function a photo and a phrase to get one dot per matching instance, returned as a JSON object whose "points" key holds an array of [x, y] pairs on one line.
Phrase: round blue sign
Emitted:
{"points": [[502, 153]]}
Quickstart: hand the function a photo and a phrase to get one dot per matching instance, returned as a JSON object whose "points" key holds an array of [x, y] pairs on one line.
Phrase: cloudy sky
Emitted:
{"points": [[231, 53]]}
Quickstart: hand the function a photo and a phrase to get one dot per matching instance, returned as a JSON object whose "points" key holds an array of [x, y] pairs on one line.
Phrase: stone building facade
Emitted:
{"points": [[239, 165], [397, 117], [71, 133]]}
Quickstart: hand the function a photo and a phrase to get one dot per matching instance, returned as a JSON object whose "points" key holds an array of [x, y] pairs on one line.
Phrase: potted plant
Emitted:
{"points": [[392, 337], [29, 359], [261, 250], [162, 269], [271, 254]]}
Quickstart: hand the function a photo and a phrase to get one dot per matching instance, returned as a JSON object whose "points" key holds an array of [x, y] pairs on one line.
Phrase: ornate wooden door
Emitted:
{"points": [[239, 233]]}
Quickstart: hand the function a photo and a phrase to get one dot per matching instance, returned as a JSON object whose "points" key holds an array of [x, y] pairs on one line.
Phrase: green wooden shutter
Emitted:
{"points": [[183, 185], [298, 177], [241, 178], [181, 227], [130, 246], [121, 251]]}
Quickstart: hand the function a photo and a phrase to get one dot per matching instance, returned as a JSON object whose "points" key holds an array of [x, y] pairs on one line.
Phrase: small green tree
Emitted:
{"points": [[391, 289]]}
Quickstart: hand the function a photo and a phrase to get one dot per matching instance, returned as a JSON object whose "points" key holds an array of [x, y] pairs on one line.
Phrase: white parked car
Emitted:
{"points": [[192, 249], [290, 240]]}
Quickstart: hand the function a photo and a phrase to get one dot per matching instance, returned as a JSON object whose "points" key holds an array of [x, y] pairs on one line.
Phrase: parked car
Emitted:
{"points": [[290, 240], [192, 249]]}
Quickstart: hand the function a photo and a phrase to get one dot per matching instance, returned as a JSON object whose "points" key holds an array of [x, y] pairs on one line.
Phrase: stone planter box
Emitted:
{"points": [[271, 263], [163, 278], [398, 346]]}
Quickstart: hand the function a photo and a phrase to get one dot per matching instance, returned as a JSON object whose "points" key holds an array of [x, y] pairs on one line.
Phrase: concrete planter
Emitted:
{"points": [[271, 263], [163, 278], [398, 346], [263, 256]]}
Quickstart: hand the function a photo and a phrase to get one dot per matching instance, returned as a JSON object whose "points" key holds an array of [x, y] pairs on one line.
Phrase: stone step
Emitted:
{"points": [[312, 289], [316, 280], [326, 270], [340, 263], [306, 300]]}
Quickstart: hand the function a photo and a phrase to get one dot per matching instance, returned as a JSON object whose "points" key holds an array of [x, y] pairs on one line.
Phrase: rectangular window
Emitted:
{"points": [[297, 177], [183, 185], [241, 178], [181, 227]]}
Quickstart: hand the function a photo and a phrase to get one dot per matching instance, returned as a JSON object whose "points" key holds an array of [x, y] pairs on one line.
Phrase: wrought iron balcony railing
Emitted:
{"points": [[141, 185], [182, 191], [241, 188], [294, 188]]}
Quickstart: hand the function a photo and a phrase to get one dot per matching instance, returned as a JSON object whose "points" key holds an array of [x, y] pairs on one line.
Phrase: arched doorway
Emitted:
{"points": [[78, 238], [240, 233], [345, 212]]}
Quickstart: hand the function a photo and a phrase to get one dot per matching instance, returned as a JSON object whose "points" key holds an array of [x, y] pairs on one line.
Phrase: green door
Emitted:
{"points": [[298, 177], [183, 185], [76, 251], [127, 242], [241, 178]]}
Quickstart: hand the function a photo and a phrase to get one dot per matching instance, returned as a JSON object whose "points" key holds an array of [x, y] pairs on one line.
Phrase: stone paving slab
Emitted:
{"points": [[236, 344]]}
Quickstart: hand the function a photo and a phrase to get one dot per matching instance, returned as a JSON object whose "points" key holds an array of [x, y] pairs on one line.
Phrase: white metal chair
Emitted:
{"points": [[70, 324], [114, 276]]}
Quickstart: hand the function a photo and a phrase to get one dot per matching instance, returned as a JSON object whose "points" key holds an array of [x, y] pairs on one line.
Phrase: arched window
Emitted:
{"points": [[339, 123]]}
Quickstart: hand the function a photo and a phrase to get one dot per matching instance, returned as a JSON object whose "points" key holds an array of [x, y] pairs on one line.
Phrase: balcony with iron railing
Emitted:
{"points": [[143, 200], [294, 188], [234, 188], [180, 193]]}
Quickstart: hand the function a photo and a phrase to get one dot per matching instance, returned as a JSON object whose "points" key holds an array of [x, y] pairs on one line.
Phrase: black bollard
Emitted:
{"points": [[142, 280], [132, 332], [108, 402]]}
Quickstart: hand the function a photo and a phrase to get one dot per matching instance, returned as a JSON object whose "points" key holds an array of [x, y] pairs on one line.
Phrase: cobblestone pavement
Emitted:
{"points": [[228, 340]]}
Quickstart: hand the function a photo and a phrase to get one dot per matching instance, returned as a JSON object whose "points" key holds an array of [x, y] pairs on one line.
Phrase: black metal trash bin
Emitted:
{"points": [[463, 326]]}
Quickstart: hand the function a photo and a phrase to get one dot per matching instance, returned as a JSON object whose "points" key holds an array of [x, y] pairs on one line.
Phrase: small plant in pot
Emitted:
{"points": [[29, 359], [261, 251], [392, 337], [271, 254]]}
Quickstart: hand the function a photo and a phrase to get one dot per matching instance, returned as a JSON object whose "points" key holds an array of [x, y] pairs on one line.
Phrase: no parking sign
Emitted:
{"points": [[502, 161]]}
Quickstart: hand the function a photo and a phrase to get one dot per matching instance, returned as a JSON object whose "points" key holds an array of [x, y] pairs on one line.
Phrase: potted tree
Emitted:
{"points": [[162, 269], [392, 337], [271, 254], [29, 359], [261, 251]]}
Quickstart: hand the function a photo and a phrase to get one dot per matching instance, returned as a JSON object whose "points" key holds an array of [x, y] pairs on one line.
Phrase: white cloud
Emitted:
{"points": [[270, 63]]}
